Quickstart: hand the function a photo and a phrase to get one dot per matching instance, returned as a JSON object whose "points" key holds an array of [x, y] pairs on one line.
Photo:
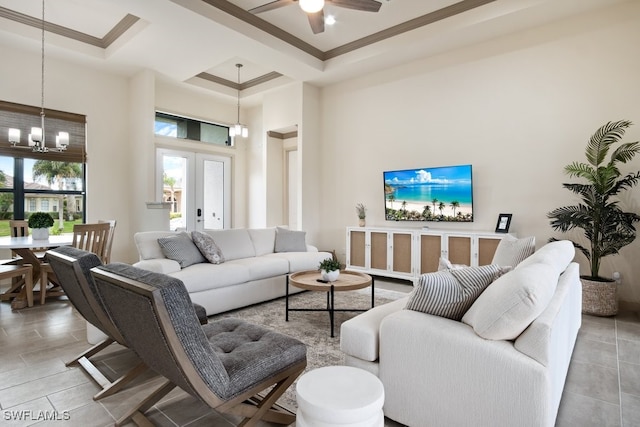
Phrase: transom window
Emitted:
{"points": [[187, 128]]}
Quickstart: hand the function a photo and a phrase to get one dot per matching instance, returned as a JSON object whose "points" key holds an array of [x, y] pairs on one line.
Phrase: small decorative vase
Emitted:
{"points": [[330, 276], [40, 233], [362, 222]]}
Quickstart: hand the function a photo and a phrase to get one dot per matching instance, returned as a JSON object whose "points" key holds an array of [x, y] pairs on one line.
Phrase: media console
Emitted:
{"points": [[408, 253]]}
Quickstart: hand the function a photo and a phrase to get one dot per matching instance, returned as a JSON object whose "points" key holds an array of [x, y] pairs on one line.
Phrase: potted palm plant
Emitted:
{"points": [[39, 222], [598, 214]]}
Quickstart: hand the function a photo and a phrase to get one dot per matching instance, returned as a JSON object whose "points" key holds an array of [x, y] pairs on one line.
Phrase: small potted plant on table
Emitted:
{"points": [[329, 269], [39, 222], [361, 209]]}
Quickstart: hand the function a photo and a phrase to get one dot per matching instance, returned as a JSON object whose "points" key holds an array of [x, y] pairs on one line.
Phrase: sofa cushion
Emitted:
{"points": [[181, 248], [512, 251], [206, 276], [300, 261], [263, 267], [263, 240], [147, 243], [234, 243], [290, 240], [449, 293], [512, 302], [207, 247]]}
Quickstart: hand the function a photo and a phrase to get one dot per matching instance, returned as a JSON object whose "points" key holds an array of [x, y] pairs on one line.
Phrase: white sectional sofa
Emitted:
{"points": [[504, 364], [254, 269]]}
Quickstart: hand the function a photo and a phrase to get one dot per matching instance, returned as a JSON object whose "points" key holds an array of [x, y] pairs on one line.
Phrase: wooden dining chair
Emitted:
{"points": [[107, 250], [20, 228], [88, 237], [21, 275]]}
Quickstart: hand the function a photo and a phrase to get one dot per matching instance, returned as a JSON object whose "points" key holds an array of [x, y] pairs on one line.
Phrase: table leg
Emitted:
{"points": [[286, 299], [331, 307], [373, 289]]}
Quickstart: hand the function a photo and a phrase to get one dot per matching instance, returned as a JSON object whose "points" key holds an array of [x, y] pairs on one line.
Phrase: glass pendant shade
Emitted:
{"points": [[311, 6], [14, 136]]}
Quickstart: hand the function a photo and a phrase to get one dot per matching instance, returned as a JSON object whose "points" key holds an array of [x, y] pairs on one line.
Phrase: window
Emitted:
{"points": [[31, 181], [187, 128]]}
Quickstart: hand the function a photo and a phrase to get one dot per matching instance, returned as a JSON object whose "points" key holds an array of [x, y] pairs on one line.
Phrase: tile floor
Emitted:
{"points": [[602, 389]]}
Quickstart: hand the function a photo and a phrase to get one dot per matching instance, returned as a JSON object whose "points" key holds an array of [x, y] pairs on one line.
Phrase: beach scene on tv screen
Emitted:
{"points": [[429, 194]]}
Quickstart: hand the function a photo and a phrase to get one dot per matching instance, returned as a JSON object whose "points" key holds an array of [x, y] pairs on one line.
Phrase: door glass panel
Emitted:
{"points": [[213, 188], [174, 172]]}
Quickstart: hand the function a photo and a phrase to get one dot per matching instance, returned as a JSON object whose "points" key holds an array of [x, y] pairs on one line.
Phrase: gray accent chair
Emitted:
{"points": [[226, 363], [72, 267]]}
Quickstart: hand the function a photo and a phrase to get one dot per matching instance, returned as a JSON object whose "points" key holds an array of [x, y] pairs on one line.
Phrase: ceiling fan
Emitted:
{"points": [[314, 9]]}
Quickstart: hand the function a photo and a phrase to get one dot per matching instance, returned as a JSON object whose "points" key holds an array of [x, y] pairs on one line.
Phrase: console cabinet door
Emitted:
{"points": [[486, 247], [430, 251], [459, 248], [357, 242], [401, 251]]}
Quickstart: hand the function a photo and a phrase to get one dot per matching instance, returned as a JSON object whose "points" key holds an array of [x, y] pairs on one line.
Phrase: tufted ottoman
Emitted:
{"points": [[340, 396]]}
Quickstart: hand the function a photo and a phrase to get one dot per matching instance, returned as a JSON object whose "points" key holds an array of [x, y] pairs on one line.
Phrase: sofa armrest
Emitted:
{"points": [[159, 265], [359, 336], [439, 369]]}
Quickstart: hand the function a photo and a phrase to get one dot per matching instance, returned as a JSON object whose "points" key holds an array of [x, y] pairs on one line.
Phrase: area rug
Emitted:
{"points": [[312, 328]]}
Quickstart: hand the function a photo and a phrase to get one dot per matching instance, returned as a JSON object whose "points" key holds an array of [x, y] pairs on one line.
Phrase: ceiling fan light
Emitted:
{"points": [[311, 6]]}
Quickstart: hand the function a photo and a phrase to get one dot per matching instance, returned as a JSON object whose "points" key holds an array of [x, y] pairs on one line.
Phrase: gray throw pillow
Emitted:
{"points": [[450, 293], [208, 247], [181, 248], [290, 240]]}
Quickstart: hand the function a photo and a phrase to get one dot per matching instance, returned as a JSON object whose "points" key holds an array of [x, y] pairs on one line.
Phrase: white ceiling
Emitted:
{"points": [[180, 39]]}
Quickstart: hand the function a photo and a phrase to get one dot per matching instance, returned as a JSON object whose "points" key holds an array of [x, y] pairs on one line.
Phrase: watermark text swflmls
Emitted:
{"points": [[27, 415]]}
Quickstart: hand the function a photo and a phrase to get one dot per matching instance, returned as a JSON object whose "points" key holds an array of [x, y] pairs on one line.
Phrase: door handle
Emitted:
{"points": [[199, 212]]}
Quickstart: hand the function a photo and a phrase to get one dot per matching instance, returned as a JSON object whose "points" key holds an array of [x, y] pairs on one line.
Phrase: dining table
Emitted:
{"points": [[26, 247]]}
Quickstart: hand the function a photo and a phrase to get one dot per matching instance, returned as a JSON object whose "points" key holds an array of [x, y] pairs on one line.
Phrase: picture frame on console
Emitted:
{"points": [[504, 221]]}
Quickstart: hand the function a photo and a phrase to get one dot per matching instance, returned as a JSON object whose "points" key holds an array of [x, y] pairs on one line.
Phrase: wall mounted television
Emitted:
{"points": [[429, 194]]}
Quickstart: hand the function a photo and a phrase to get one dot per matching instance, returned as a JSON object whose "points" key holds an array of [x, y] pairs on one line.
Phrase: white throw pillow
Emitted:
{"points": [[557, 254], [444, 264], [512, 302], [512, 251]]}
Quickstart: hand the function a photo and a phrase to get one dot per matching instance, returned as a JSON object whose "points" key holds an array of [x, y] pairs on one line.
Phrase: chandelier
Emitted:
{"points": [[36, 138], [239, 129]]}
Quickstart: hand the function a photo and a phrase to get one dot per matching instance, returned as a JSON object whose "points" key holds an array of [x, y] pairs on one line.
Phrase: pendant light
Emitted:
{"points": [[239, 129], [311, 6], [36, 138]]}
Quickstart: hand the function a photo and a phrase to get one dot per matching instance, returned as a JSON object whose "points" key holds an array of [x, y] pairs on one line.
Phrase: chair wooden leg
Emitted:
{"points": [[137, 412], [91, 351], [43, 285], [117, 385], [264, 408]]}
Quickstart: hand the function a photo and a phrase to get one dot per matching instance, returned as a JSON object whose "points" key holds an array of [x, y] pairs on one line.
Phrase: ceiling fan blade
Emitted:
{"points": [[363, 5], [316, 20], [277, 4]]}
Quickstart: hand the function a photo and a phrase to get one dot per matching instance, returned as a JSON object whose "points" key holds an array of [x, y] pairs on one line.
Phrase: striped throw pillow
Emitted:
{"points": [[511, 251], [450, 293]]}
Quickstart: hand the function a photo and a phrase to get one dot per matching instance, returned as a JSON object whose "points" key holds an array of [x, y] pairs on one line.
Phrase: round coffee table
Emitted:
{"points": [[311, 281]]}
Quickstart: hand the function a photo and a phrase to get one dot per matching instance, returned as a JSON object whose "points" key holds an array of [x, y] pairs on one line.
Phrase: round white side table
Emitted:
{"points": [[339, 396]]}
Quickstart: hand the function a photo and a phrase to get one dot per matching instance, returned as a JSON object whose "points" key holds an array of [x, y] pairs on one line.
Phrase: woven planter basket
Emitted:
{"points": [[599, 298]]}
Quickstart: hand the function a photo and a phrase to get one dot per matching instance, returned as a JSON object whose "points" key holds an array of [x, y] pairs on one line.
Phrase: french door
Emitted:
{"points": [[198, 186]]}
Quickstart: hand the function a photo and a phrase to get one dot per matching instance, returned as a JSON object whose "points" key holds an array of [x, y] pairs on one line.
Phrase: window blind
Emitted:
{"points": [[24, 117]]}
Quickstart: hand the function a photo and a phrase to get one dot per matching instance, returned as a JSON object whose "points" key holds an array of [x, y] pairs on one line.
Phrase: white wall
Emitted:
{"points": [[518, 109]]}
